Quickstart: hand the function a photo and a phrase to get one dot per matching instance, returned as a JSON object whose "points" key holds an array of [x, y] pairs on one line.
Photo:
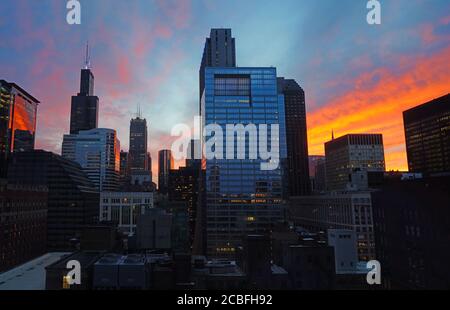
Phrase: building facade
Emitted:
{"points": [[241, 198], [349, 211], [98, 153], [427, 132], [350, 153], [23, 228], [72, 198], [165, 164], [123, 208], [18, 110], [296, 137]]}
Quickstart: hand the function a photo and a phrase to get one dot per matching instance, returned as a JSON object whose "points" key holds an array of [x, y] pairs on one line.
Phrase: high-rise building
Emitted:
{"points": [[165, 164], [23, 228], [317, 173], [296, 137], [219, 51], [427, 131], [84, 106], [124, 168], [352, 153], [137, 155], [184, 186], [241, 197], [18, 111], [72, 198], [411, 218], [98, 153]]}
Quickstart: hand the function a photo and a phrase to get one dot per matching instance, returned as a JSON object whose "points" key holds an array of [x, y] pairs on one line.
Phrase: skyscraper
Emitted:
{"points": [[296, 137], [165, 164], [18, 111], [84, 106], [427, 131], [241, 197], [219, 51], [98, 153], [137, 155], [352, 155]]}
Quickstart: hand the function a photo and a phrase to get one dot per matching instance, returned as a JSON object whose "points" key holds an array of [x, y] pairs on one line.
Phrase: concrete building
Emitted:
{"points": [[154, 229], [123, 208]]}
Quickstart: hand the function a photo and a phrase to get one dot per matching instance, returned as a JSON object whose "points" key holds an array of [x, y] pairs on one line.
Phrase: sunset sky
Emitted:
{"points": [[357, 78]]}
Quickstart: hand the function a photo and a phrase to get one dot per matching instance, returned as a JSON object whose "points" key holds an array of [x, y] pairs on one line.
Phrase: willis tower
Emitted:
{"points": [[84, 108]]}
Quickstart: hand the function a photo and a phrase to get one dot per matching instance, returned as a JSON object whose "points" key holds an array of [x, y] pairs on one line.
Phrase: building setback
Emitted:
{"points": [[427, 132]]}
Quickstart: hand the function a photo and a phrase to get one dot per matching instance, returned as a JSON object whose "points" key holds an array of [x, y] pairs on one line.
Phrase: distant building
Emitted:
{"points": [[124, 168], [18, 111], [153, 230], [344, 242], [412, 231], [98, 153], [84, 106], [296, 137], [165, 164], [23, 228], [184, 186], [427, 131], [72, 198], [350, 153], [317, 173], [123, 208], [137, 155], [350, 211]]}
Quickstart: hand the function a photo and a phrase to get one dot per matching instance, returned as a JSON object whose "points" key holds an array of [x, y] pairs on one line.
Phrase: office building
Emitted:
{"points": [[412, 228], [72, 198], [165, 164], [137, 155], [123, 208], [18, 111], [317, 174], [124, 168], [219, 51], [346, 210], [297, 164], [84, 106], [184, 186], [97, 151], [427, 131], [352, 153], [154, 229], [344, 243], [242, 197], [23, 228]]}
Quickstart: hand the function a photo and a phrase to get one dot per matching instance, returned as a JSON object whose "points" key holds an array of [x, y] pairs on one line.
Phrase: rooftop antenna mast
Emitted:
{"points": [[87, 60]]}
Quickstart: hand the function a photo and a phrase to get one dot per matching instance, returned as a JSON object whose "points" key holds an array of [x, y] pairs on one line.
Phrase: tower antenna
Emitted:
{"points": [[87, 60]]}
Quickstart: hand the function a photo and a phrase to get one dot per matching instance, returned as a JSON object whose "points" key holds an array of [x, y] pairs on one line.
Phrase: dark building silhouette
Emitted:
{"points": [[412, 231], [137, 155], [165, 164], [184, 186], [296, 137], [124, 168], [73, 201], [427, 131], [84, 107], [18, 111], [219, 51], [23, 223]]}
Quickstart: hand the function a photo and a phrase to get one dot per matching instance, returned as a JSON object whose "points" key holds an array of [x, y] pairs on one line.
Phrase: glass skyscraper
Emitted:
{"points": [[241, 198]]}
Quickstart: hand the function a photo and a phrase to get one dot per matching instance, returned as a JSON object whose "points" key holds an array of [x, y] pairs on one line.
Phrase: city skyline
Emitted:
{"points": [[357, 78]]}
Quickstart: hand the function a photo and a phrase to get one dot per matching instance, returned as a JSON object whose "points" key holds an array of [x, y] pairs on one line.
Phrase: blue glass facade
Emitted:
{"points": [[241, 198]]}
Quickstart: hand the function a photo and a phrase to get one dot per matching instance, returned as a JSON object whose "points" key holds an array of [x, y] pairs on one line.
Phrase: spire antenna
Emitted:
{"points": [[87, 60]]}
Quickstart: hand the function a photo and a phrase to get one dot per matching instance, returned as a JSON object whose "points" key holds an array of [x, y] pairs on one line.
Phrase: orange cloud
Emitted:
{"points": [[377, 107]]}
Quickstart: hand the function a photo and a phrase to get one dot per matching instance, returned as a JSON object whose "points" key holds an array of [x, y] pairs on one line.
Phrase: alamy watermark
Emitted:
{"points": [[73, 16], [374, 15], [229, 141], [74, 275]]}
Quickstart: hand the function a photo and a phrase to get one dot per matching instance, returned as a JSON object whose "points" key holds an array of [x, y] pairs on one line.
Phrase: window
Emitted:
{"points": [[231, 85]]}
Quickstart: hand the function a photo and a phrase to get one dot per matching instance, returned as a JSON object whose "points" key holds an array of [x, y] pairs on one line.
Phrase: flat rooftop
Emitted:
{"points": [[29, 276]]}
